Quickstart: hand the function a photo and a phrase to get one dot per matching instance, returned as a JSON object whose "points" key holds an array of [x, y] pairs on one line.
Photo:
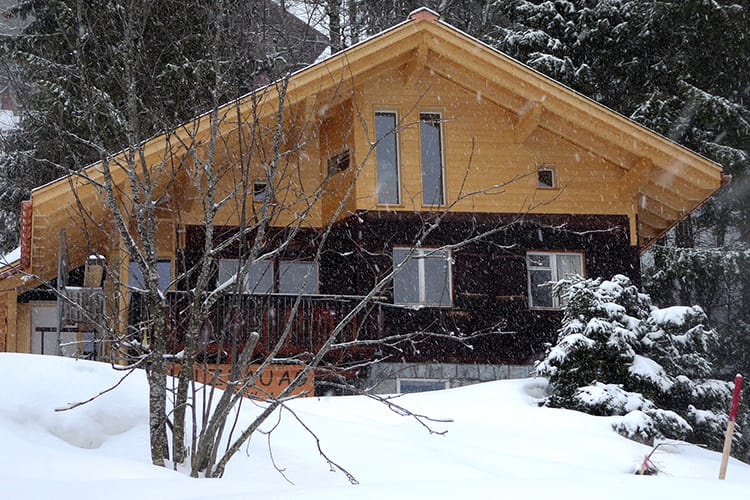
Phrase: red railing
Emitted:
{"points": [[234, 317]]}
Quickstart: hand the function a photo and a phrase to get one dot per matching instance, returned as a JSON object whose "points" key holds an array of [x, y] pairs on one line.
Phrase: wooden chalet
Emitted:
{"points": [[520, 180]]}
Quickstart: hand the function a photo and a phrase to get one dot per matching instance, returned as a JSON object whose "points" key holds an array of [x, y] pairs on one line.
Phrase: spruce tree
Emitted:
{"points": [[617, 354]]}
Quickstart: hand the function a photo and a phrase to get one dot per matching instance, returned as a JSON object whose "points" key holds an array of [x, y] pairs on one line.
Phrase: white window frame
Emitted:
{"points": [[396, 137], [418, 254], [432, 381], [557, 301], [441, 139]]}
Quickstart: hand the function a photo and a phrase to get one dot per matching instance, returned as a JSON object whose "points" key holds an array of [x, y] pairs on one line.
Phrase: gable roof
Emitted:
{"points": [[670, 181]]}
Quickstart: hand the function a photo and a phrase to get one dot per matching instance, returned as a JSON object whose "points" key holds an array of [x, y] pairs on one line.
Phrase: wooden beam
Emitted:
{"points": [[11, 303], [476, 83], [417, 62], [581, 136], [652, 220], [528, 120], [637, 175]]}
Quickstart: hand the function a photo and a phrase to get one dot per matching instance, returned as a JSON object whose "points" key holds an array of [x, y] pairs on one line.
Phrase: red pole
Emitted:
{"points": [[730, 426]]}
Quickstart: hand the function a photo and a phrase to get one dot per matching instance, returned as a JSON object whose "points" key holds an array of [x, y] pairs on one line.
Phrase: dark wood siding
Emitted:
{"points": [[488, 274]]}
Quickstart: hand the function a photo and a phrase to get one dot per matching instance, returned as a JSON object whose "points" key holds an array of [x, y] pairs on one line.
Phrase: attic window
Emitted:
{"points": [[339, 162], [545, 178], [260, 192]]}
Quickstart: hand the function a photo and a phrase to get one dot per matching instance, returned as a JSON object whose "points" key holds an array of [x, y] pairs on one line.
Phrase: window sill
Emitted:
{"points": [[424, 306]]}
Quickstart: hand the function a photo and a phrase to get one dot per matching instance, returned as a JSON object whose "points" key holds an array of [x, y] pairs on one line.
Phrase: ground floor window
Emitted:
{"points": [[424, 276], [273, 276], [410, 385], [546, 267]]}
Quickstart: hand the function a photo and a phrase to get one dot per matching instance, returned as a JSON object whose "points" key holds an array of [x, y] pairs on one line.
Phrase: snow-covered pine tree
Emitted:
{"points": [[617, 354]]}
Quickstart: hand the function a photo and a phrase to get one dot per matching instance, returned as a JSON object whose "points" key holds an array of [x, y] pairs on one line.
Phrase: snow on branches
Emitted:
{"points": [[618, 355]]}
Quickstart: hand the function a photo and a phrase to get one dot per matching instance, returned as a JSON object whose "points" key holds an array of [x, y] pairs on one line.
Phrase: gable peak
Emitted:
{"points": [[423, 14]]}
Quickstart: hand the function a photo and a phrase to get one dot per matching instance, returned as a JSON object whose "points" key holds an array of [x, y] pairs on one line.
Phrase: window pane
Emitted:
{"points": [[406, 281], [539, 260], [541, 296], [432, 159], [545, 178], [292, 276], [569, 265], [163, 268], [386, 154], [259, 277], [227, 269], [437, 270]]}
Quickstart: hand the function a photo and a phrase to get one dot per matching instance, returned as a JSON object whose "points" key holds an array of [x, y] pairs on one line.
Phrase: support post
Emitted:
{"points": [[730, 426]]}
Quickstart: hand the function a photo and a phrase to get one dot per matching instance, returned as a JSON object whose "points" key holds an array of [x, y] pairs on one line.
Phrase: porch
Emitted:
{"points": [[234, 317]]}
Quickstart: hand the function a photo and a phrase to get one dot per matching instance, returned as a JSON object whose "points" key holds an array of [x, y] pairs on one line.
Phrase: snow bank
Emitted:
{"points": [[497, 440]]}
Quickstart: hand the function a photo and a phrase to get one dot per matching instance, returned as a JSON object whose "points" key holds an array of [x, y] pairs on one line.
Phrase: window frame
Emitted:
{"points": [[551, 170], [419, 254], [397, 153], [557, 301], [441, 143]]}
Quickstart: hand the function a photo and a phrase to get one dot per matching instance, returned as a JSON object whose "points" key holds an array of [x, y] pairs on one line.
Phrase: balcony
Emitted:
{"points": [[234, 317]]}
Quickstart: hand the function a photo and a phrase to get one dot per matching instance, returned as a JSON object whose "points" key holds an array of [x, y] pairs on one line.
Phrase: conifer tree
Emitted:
{"points": [[617, 354]]}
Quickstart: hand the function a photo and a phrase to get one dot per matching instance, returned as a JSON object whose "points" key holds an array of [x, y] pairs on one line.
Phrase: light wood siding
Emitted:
{"points": [[482, 156], [336, 137], [23, 331]]}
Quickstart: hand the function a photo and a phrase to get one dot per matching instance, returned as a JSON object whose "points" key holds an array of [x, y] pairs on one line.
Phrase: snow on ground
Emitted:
{"points": [[498, 445]]}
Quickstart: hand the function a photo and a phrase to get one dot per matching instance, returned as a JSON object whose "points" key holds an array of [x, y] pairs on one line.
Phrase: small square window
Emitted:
{"points": [[339, 163], [261, 192], [545, 178]]}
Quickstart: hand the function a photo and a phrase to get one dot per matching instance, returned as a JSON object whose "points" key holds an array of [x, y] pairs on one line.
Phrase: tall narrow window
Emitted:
{"points": [[547, 267], [424, 277], [386, 154], [432, 159]]}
